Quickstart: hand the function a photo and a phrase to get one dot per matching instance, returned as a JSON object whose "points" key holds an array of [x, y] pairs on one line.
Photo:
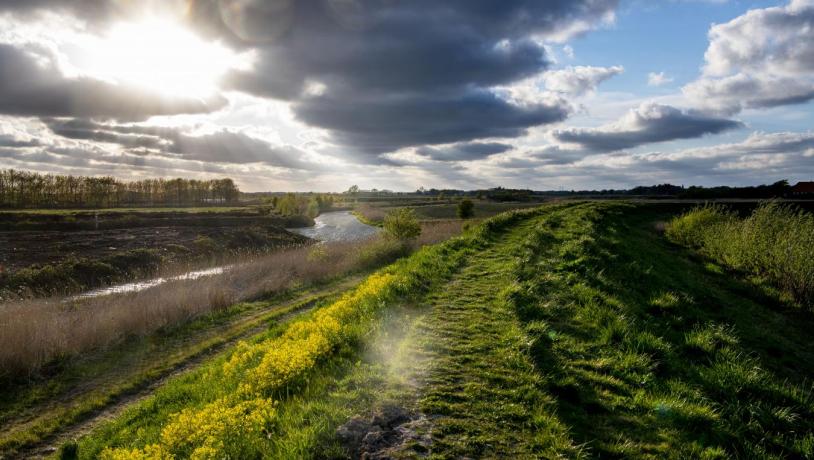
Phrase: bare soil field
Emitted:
{"points": [[54, 253], [25, 248]]}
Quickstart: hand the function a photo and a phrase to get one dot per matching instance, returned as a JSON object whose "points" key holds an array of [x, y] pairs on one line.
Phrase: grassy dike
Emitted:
{"points": [[580, 332], [651, 353], [230, 406]]}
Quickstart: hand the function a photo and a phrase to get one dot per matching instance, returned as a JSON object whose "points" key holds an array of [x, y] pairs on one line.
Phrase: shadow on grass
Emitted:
{"points": [[648, 352]]}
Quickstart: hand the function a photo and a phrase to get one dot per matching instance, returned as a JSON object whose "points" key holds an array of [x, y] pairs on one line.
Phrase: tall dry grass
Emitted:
{"points": [[776, 241], [34, 333]]}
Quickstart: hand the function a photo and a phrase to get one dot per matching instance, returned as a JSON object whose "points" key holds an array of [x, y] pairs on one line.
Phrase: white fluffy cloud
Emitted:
{"points": [[658, 79], [648, 123], [576, 81], [763, 58]]}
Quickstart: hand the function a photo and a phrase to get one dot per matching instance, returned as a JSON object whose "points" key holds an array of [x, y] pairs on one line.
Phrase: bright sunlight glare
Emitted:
{"points": [[163, 56]]}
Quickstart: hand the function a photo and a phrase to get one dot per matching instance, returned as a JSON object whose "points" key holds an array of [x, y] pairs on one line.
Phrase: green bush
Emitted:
{"points": [[466, 209], [692, 228], [248, 238], [402, 224], [776, 242], [205, 244], [48, 279], [136, 260], [89, 272], [312, 210]]}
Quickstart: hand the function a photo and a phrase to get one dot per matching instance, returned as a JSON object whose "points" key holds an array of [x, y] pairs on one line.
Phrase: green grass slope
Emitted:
{"points": [[651, 353]]}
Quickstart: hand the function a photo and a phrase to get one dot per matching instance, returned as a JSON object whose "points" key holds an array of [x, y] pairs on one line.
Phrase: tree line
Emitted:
{"points": [[25, 189], [778, 189], [292, 204]]}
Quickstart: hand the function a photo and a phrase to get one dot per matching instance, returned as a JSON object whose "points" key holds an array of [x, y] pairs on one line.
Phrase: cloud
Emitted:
{"points": [[763, 58], [10, 141], [379, 125], [467, 151], [233, 147], [658, 79], [646, 124], [730, 95], [761, 158], [756, 144], [390, 74], [576, 81], [222, 146], [88, 130], [402, 74], [779, 40], [94, 13], [32, 85]]}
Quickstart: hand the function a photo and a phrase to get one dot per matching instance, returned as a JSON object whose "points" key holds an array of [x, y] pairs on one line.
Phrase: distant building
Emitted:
{"points": [[803, 189]]}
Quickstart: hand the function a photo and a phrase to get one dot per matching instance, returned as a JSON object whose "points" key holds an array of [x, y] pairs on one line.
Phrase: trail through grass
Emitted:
{"points": [[480, 386]]}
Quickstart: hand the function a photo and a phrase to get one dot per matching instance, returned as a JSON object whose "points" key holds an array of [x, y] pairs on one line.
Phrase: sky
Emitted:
{"points": [[319, 95]]}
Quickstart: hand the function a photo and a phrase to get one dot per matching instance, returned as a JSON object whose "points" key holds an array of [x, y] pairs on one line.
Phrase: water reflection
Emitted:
{"points": [[337, 226]]}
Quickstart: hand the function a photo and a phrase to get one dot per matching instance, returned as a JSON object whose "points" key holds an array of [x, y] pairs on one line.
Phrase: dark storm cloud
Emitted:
{"points": [[647, 124], [231, 147], [218, 147], [399, 74], [31, 85], [86, 130], [467, 151], [382, 125], [377, 75], [13, 142], [393, 74]]}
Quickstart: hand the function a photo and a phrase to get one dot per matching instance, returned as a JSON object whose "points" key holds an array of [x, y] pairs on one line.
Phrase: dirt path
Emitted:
{"points": [[243, 328]]}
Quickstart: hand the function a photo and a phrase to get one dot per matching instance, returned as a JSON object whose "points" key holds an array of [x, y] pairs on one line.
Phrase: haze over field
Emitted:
{"points": [[322, 94]]}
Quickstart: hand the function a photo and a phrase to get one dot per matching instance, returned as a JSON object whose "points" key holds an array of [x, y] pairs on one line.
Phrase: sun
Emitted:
{"points": [[160, 55]]}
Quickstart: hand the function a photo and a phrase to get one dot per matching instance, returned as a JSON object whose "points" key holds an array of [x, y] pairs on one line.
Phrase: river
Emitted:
{"points": [[337, 226], [330, 226]]}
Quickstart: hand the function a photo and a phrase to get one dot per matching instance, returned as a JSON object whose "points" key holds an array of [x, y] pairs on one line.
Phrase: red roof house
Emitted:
{"points": [[803, 188]]}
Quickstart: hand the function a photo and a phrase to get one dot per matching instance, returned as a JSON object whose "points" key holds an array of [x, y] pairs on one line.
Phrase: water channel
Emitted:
{"points": [[330, 226]]}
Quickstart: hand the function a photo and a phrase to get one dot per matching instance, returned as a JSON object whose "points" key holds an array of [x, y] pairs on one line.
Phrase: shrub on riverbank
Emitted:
{"points": [[402, 224], [466, 209]]}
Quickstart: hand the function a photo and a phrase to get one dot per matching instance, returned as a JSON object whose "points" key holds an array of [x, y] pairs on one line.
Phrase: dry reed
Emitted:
{"points": [[34, 333]]}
